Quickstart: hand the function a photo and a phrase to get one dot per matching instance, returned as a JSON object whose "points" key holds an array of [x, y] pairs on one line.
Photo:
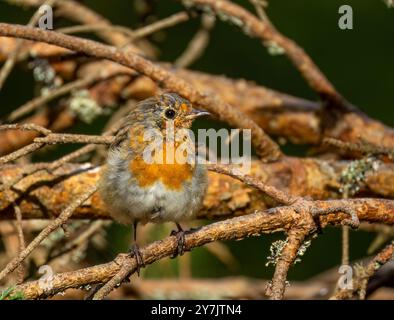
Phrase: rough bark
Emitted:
{"points": [[44, 195]]}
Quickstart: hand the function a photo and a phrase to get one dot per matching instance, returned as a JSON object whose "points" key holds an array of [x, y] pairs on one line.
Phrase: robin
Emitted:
{"points": [[163, 188]]}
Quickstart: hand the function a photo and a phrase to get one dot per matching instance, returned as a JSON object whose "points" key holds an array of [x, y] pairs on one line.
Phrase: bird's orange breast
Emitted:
{"points": [[172, 175]]}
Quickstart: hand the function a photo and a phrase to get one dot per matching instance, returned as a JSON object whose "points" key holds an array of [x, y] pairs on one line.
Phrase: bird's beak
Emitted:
{"points": [[197, 113]]}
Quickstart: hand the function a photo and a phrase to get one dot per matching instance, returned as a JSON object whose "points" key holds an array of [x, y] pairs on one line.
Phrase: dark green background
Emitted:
{"points": [[359, 63]]}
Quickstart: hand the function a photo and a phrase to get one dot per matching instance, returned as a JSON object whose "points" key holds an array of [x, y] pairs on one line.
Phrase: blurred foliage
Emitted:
{"points": [[358, 62]]}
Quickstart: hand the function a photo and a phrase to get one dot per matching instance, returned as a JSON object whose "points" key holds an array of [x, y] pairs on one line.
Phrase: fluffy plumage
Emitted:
{"points": [[136, 191]]}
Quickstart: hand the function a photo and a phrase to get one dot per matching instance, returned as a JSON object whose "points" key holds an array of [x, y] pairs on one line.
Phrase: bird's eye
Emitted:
{"points": [[170, 113]]}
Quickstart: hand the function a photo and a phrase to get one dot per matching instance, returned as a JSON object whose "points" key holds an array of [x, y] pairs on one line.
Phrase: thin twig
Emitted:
{"points": [[26, 126], [56, 93], [266, 148], [117, 279], [363, 275], [234, 228], [260, 5], [34, 168], [132, 34], [51, 138], [21, 152], [9, 64], [278, 195], [160, 25], [76, 11], [345, 246], [95, 27], [197, 44], [21, 238], [361, 146], [80, 240], [57, 163], [59, 138], [254, 27], [60, 220]]}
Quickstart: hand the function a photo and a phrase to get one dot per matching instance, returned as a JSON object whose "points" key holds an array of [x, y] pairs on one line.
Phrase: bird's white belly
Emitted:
{"points": [[155, 204], [128, 202]]}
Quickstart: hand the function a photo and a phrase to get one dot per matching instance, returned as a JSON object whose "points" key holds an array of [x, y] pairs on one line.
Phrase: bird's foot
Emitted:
{"points": [[181, 244], [135, 252]]}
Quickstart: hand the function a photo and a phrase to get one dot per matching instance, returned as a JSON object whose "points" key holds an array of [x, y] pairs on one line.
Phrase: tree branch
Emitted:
{"points": [[265, 147], [44, 194], [61, 219], [265, 31], [371, 210]]}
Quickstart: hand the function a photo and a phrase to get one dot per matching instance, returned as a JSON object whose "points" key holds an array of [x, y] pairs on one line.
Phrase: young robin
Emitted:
{"points": [[140, 191]]}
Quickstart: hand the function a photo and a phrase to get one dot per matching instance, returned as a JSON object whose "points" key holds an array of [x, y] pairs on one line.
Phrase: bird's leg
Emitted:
{"points": [[135, 250], [180, 237]]}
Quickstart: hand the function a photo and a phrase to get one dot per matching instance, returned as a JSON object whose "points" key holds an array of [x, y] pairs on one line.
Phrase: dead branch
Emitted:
{"points": [[265, 147], [276, 194], [362, 147], [225, 196], [21, 239], [9, 64], [44, 194], [51, 138], [371, 210], [286, 259], [197, 44], [61, 219], [25, 126], [260, 29], [364, 273], [77, 12], [56, 138], [56, 93], [21, 152], [280, 115], [293, 195], [222, 288], [133, 35], [13, 140]]}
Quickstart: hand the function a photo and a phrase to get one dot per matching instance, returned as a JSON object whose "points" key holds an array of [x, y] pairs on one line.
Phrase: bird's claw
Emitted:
{"points": [[135, 252], [181, 244]]}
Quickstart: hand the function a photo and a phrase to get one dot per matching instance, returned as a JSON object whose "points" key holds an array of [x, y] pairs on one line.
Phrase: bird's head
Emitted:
{"points": [[168, 108]]}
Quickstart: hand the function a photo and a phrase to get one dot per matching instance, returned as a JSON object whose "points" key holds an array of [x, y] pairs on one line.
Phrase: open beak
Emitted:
{"points": [[196, 113]]}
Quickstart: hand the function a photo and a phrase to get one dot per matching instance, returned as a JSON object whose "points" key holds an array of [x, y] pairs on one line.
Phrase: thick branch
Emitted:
{"points": [[61, 219], [43, 195], [255, 27], [278, 114], [236, 228], [265, 147]]}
